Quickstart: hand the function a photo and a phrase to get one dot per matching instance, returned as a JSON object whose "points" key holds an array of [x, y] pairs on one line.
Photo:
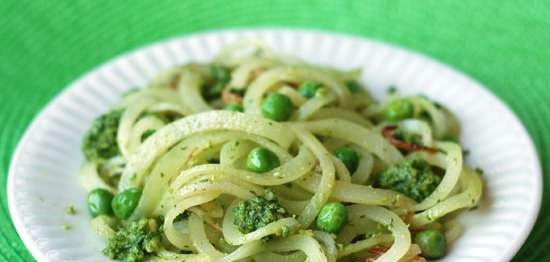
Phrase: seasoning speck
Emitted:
{"points": [[70, 210]]}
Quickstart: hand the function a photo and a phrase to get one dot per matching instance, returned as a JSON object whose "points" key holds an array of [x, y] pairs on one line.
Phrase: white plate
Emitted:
{"points": [[43, 176]]}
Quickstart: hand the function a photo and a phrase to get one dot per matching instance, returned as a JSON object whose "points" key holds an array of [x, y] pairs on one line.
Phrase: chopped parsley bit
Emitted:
{"points": [[285, 231], [353, 86], [452, 138], [371, 235], [395, 200], [147, 134], [70, 210], [67, 226], [465, 152], [429, 216], [389, 226], [321, 92], [392, 89], [479, 171]]}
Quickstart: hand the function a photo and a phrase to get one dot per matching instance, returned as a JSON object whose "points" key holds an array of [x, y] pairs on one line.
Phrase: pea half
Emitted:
{"points": [[308, 89], [277, 107], [432, 243], [332, 217], [398, 110], [234, 108], [349, 158], [261, 160], [99, 202], [125, 202]]}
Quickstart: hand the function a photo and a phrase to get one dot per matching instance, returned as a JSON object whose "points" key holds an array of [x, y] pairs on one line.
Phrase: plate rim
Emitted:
{"points": [[32, 127]]}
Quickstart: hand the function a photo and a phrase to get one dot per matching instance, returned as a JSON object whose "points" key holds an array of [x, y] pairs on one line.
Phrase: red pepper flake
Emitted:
{"points": [[388, 132], [292, 85], [416, 230], [230, 98], [376, 252], [407, 218]]}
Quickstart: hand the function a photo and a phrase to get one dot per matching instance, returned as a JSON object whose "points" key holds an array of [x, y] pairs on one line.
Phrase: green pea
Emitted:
{"points": [[234, 108], [308, 89], [432, 243], [353, 86], [261, 160], [277, 107], [99, 202], [398, 110], [332, 217], [125, 202], [349, 158]]}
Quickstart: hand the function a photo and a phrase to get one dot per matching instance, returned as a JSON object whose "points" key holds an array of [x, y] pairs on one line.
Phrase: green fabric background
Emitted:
{"points": [[44, 45]]}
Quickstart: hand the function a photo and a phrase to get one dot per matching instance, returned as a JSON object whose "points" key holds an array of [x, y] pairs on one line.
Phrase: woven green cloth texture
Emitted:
{"points": [[44, 45]]}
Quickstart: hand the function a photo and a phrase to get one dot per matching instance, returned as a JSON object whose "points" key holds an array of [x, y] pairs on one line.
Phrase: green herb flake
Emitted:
{"points": [[480, 171], [70, 210], [285, 231]]}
